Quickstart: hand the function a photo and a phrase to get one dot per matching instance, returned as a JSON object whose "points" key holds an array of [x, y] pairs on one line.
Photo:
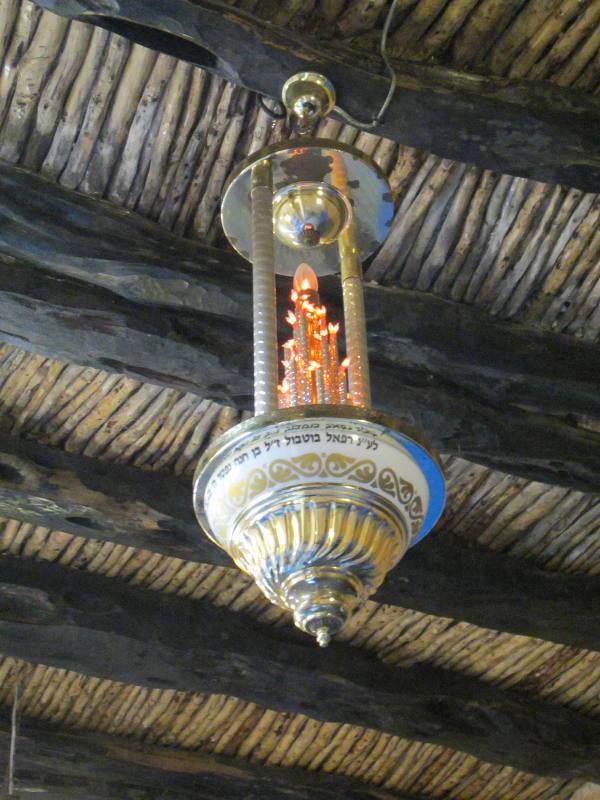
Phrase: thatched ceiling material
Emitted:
{"points": [[398, 636], [118, 418], [93, 430], [414, 636], [228, 726], [160, 138], [93, 112], [521, 38]]}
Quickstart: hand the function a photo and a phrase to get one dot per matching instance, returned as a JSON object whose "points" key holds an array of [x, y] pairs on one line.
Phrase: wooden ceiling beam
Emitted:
{"points": [[98, 626], [83, 324], [102, 500], [153, 511], [75, 765], [519, 127], [83, 281]]}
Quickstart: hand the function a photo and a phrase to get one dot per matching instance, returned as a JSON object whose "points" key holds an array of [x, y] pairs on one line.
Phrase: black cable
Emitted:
{"points": [[282, 114]]}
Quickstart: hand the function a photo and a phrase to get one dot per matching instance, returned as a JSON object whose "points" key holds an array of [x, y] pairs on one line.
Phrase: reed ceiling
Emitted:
{"points": [[94, 113]]}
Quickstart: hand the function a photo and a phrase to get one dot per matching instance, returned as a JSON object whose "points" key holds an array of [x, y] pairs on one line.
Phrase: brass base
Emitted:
{"points": [[318, 503], [319, 550]]}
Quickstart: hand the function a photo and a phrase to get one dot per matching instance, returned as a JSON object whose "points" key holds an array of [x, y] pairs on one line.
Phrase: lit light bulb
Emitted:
{"points": [[305, 279]]}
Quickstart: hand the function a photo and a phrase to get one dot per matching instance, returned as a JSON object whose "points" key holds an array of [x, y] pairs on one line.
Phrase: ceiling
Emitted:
{"points": [[147, 132]]}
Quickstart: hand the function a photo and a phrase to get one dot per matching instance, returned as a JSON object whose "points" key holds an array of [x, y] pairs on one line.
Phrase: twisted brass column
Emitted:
{"points": [[359, 381], [263, 291]]}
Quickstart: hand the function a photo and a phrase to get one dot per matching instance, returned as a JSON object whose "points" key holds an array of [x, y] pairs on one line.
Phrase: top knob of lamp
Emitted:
{"points": [[308, 96]]}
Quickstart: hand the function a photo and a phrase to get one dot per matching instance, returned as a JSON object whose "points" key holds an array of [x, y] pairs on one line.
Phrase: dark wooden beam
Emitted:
{"points": [[101, 500], [69, 765], [83, 324], [151, 511], [99, 286], [97, 626], [520, 127]]}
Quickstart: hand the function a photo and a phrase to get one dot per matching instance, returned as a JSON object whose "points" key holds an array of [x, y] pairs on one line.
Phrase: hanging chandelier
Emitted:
{"points": [[318, 495]]}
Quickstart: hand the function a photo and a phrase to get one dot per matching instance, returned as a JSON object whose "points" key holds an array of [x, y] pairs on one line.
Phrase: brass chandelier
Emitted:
{"points": [[317, 496]]}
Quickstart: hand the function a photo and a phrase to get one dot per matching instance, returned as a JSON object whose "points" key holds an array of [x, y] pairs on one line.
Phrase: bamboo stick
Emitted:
{"points": [[170, 110], [50, 107], [74, 112], [211, 197], [129, 164], [104, 84], [24, 26], [360, 15], [212, 132], [119, 116], [9, 13], [31, 77], [184, 137]]}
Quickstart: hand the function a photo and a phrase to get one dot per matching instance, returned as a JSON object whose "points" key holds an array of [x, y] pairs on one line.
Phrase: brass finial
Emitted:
{"points": [[308, 96], [323, 637]]}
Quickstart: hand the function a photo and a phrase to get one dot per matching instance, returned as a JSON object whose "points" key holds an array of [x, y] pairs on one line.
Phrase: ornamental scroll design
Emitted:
{"points": [[405, 492], [334, 465]]}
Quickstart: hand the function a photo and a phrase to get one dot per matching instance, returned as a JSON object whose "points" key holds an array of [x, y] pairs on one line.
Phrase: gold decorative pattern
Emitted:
{"points": [[362, 470], [351, 545], [336, 466], [243, 490], [283, 470], [404, 492]]}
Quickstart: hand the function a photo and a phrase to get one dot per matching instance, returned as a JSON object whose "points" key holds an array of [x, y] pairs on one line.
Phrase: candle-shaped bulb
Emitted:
{"points": [[305, 279], [343, 387], [312, 370]]}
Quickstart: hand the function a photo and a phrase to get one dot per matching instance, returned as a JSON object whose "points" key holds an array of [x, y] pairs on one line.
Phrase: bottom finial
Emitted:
{"points": [[323, 636]]}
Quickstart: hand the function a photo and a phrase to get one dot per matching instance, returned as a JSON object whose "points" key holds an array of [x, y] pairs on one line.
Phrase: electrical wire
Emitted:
{"points": [[281, 114], [13, 741], [393, 83]]}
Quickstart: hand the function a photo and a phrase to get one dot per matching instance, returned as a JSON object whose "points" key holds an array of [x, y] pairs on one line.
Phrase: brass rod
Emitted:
{"points": [[263, 291], [359, 382]]}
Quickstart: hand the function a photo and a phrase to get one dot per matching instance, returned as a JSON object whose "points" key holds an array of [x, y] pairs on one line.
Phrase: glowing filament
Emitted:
{"points": [[312, 370]]}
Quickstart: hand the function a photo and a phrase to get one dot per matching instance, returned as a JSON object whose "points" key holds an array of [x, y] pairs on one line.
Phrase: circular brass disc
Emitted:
{"points": [[336, 164]]}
